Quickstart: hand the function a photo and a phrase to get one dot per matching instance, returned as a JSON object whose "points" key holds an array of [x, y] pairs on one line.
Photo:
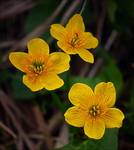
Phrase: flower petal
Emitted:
{"points": [[88, 40], [80, 94], [38, 46], [19, 60], [66, 48], [49, 81], [52, 81], [33, 83], [75, 116], [58, 62], [86, 55], [58, 31], [94, 128], [107, 92], [75, 23], [113, 118]]}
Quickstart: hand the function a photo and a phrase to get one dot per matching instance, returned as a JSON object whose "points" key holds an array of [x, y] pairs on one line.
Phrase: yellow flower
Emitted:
{"points": [[40, 67], [73, 39], [92, 110]]}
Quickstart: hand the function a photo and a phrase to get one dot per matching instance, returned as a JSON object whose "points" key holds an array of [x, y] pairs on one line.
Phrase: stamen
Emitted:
{"points": [[75, 40], [37, 67], [94, 110]]}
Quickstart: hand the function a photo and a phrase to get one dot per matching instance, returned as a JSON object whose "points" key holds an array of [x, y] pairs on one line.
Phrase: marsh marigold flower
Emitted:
{"points": [[73, 39], [40, 67], [93, 110]]}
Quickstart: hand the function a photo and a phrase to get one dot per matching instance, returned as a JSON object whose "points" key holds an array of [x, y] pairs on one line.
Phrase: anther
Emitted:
{"points": [[75, 40], [37, 67], [94, 110]]}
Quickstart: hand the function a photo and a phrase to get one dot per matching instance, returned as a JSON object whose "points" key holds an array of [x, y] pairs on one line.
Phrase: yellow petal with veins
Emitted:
{"points": [[48, 81], [66, 48], [106, 91], [86, 55], [81, 95], [88, 40], [76, 116], [19, 60], [94, 128], [58, 31], [113, 118], [75, 24], [58, 62], [38, 46], [52, 81], [33, 83]]}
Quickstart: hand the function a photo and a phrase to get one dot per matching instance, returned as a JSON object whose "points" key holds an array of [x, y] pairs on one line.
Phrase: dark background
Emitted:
{"points": [[35, 120]]}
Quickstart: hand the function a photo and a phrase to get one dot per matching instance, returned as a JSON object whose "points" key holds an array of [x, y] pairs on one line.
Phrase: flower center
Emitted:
{"points": [[37, 67], [75, 40], [94, 110]]}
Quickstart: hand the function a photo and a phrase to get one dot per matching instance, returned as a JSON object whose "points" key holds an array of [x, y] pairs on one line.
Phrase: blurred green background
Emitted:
{"points": [[35, 120]]}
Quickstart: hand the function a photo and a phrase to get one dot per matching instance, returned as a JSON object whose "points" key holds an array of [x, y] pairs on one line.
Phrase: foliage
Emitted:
{"points": [[18, 104], [102, 144]]}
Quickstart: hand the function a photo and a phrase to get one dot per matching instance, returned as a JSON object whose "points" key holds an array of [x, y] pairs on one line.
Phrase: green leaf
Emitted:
{"points": [[19, 90], [108, 142], [130, 113], [4, 75], [132, 97], [86, 80], [40, 13], [112, 7], [66, 77], [111, 73], [57, 101]]}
